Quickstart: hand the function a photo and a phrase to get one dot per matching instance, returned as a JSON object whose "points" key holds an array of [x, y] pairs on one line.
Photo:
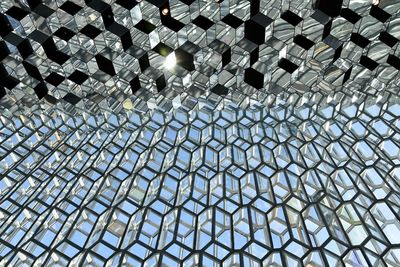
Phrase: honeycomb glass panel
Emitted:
{"points": [[199, 133]]}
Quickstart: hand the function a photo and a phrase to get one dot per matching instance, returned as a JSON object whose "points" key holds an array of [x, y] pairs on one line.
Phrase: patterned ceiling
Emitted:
{"points": [[199, 133], [80, 51]]}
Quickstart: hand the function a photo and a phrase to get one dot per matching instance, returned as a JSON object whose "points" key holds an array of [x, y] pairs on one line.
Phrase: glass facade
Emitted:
{"points": [[199, 133]]}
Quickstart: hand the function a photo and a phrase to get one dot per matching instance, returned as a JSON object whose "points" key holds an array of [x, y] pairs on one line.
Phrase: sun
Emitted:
{"points": [[170, 61]]}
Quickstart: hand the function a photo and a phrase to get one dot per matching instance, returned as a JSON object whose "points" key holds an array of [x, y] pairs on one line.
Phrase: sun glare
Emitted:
{"points": [[170, 61]]}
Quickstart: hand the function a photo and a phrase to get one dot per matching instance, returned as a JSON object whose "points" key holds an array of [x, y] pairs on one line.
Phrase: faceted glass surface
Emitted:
{"points": [[199, 133], [298, 180]]}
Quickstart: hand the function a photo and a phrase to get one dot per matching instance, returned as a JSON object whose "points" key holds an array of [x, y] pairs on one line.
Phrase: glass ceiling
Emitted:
{"points": [[199, 133]]}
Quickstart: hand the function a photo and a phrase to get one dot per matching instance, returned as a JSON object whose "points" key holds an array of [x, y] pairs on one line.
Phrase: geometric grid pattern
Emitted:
{"points": [[295, 180], [199, 133], [71, 50]]}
